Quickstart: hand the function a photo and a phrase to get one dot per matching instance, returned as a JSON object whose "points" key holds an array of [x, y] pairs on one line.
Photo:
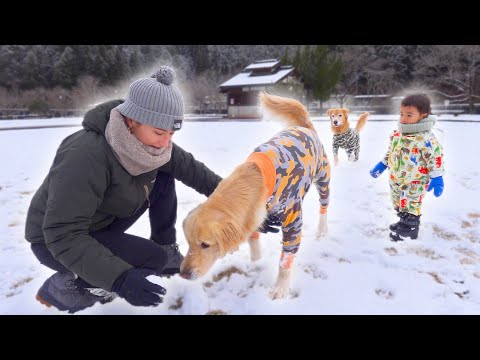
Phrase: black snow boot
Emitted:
{"points": [[408, 226], [61, 290], [395, 225]]}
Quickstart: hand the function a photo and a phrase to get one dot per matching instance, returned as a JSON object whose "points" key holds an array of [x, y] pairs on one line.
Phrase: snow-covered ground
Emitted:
{"points": [[354, 270], [73, 121]]}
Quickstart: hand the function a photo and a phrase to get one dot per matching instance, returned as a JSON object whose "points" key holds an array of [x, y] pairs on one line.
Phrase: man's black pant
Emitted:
{"points": [[135, 250]]}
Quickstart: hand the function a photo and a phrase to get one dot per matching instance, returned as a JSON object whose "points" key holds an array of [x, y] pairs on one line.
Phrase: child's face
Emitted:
{"points": [[410, 115]]}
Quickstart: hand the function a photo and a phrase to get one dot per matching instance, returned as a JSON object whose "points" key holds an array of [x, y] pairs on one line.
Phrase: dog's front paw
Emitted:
{"points": [[278, 292], [321, 231], [322, 227], [255, 252], [280, 289]]}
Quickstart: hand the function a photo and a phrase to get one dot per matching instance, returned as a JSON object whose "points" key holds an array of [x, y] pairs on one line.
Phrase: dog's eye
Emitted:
{"points": [[204, 245], [340, 115]]}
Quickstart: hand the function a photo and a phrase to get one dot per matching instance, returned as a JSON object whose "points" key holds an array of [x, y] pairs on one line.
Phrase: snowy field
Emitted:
{"points": [[354, 270]]}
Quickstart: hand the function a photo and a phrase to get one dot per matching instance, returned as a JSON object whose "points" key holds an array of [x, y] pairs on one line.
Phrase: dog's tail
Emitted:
{"points": [[290, 110], [362, 120]]}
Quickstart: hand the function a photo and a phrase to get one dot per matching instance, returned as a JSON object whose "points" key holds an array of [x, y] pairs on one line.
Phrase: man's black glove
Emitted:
{"points": [[133, 286], [269, 223]]}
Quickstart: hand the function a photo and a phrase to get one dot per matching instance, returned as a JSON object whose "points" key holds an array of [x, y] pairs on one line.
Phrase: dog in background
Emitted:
{"points": [[278, 173], [344, 137]]}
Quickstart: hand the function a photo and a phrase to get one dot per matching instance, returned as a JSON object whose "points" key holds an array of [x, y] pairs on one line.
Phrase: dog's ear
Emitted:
{"points": [[329, 112], [226, 235], [346, 111]]}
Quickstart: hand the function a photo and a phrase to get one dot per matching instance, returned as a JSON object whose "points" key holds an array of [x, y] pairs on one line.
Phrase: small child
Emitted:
{"points": [[415, 162]]}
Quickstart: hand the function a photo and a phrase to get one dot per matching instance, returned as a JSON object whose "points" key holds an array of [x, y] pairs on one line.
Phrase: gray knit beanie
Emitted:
{"points": [[155, 101]]}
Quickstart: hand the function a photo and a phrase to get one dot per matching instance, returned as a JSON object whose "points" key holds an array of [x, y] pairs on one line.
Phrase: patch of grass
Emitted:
{"points": [[227, 273], [472, 237], [466, 224], [474, 215], [444, 234], [467, 261], [428, 253], [391, 251], [473, 256], [25, 192], [178, 304], [21, 283], [216, 312], [436, 277]]}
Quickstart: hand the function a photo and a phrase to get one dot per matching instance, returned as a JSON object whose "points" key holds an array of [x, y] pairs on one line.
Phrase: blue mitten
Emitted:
{"points": [[378, 169], [437, 185]]}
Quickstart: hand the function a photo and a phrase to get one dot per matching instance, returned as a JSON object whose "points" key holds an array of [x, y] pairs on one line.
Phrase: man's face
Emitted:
{"points": [[152, 136]]}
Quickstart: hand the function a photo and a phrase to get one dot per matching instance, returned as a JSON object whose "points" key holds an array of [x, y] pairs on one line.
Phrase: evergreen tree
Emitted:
{"points": [[285, 59], [327, 73], [8, 66], [30, 74], [319, 71], [200, 58], [63, 73]]}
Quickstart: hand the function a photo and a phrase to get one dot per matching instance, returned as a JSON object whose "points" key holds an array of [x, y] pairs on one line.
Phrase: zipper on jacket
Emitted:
{"points": [[146, 193]]}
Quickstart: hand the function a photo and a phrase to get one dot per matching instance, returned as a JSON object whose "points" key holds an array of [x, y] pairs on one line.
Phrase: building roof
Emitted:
{"points": [[371, 96], [262, 64], [245, 78]]}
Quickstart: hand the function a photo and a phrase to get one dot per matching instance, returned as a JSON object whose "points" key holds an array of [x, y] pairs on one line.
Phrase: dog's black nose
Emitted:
{"points": [[335, 122]]}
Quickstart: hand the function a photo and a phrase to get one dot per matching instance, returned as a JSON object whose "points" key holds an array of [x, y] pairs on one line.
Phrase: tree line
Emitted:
{"points": [[68, 76]]}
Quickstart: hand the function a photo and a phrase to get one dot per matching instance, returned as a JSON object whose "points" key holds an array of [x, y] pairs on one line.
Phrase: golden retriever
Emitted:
{"points": [[274, 179], [344, 137]]}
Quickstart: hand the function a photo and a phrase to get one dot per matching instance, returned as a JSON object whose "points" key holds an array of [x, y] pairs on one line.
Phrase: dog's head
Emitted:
{"points": [[339, 119], [210, 234]]}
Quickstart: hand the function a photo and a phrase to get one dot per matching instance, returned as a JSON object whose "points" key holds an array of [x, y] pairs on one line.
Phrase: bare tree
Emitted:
{"points": [[453, 69], [353, 68], [363, 72], [86, 92]]}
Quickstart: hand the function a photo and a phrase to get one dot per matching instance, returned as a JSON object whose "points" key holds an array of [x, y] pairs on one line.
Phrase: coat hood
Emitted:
{"points": [[97, 118]]}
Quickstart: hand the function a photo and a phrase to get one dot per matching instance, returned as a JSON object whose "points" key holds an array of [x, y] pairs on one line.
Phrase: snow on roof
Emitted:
{"points": [[244, 78], [262, 64], [370, 96]]}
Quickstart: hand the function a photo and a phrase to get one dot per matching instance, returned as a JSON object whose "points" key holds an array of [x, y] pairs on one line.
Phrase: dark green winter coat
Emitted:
{"points": [[87, 188]]}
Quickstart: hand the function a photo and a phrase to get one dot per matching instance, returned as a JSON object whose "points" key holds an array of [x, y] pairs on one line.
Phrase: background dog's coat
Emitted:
{"points": [[345, 137]]}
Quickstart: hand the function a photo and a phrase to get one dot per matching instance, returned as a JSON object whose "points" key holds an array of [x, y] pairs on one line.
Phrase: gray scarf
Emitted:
{"points": [[423, 125], [135, 157]]}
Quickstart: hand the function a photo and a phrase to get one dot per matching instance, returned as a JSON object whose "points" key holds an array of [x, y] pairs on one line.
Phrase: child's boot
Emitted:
{"points": [[400, 215], [408, 226]]}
